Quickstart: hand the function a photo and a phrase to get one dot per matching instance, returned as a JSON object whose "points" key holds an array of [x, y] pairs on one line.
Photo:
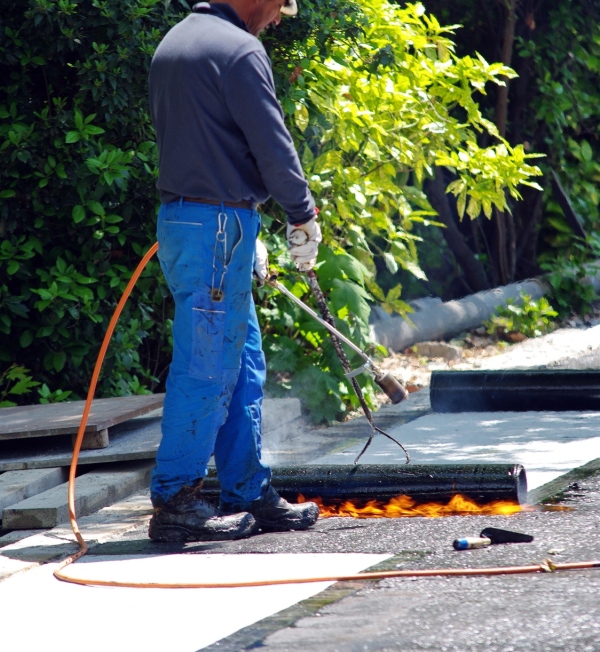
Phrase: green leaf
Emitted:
{"points": [[586, 151], [96, 207], [390, 262], [26, 339], [59, 361], [345, 294], [23, 386], [72, 137], [78, 213], [91, 130], [78, 119], [44, 331], [414, 269]]}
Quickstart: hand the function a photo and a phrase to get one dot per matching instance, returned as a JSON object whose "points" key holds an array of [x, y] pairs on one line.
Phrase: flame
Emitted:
{"points": [[406, 506]]}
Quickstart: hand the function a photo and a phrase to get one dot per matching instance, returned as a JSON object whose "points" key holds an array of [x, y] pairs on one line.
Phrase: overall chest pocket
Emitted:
{"points": [[208, 333]]}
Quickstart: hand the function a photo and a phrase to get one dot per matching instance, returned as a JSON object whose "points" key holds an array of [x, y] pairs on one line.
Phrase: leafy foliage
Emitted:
{"points": [[375, 97], [569, 277], [530, 317], [372, 117], [77, 204], [554, 109], [15, 381], [567, 62]]}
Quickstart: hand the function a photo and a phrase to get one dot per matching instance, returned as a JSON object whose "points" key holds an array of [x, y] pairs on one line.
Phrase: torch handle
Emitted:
{"points": [[330, 327]]}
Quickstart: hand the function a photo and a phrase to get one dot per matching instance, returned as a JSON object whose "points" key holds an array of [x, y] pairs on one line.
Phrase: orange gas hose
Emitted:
{"points": [[545, 566]]}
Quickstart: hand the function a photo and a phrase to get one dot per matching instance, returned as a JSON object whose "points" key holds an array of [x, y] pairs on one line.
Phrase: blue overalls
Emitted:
{"points": [[215, 385]]}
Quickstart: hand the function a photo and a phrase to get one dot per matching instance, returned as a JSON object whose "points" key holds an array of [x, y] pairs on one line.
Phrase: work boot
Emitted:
{"points": [[189, 517], [274, 514]]}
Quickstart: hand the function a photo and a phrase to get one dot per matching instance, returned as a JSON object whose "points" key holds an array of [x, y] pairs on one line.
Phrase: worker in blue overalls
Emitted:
{"points": [[223, 149]]}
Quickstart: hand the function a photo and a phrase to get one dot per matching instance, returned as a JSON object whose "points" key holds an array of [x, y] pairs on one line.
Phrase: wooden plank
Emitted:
{"points": [[138, 439], [93, 491], [64, 418], [93, 440], [133, 440], [16, 486]]}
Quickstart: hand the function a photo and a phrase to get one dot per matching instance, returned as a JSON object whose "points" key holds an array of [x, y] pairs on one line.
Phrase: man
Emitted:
{"points": [[223, 148]]}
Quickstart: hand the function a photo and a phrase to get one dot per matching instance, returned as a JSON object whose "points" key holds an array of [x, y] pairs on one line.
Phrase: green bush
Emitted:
{"points": [[530, 317], [375, 98], [77, 195], [78, 200]]}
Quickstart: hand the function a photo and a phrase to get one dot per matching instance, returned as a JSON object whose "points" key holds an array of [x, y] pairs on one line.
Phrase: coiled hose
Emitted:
{"points": [[545, 566]]}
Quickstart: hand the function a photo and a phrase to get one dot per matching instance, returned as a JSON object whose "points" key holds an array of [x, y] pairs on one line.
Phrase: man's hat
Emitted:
{"points": [[290, 8]]}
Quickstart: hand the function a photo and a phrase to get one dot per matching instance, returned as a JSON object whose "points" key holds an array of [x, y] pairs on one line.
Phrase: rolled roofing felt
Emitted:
{"points": [[482, 483], [515, 390]]}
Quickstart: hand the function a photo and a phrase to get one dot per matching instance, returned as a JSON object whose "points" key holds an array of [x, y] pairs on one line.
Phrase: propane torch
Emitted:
{"points": [[390, 385]]}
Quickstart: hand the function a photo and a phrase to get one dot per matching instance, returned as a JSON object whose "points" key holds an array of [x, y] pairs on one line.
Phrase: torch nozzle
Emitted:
{"points": [[391, 386]]}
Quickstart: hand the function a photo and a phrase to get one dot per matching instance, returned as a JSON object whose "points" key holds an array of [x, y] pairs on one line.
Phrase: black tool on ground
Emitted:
{"points": [[515, 390], [390, 385], [496, 535], [482, 483]]}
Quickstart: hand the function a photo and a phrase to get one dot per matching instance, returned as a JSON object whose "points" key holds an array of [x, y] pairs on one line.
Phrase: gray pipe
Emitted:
{"points": [[443, 321], [446, 320]]}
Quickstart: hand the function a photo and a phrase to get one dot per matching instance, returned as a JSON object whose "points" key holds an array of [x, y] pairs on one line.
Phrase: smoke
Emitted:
{"points": [[288, 441]]}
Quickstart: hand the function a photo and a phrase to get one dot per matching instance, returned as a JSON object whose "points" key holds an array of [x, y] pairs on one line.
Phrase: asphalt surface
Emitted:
{"points": [[546, 611], [536, 612], [513, 613]]}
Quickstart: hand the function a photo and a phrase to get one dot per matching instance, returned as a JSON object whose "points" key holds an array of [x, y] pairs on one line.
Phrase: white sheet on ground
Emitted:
{"points": [[40, 613]]}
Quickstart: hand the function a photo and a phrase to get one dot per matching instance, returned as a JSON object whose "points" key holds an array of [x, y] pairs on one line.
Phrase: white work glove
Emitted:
{"points": [[261, 262], [303, 242]]}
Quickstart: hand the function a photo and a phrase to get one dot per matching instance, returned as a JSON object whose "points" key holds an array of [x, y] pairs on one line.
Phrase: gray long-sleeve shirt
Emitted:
{"points": [[219, 126]]}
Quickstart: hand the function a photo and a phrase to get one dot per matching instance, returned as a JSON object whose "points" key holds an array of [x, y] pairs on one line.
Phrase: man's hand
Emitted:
{"points": [[261, 262], [303, 242]]}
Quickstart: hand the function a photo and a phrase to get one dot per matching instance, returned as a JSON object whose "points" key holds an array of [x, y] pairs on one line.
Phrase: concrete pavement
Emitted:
{"points": [[513, 613]]}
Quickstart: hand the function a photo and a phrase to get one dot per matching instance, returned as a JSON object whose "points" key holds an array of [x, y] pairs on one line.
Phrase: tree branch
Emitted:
{"points": [[473, 269]]}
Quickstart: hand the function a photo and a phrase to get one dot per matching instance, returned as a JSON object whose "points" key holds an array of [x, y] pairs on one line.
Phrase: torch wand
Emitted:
{"points": [[390, 385]]}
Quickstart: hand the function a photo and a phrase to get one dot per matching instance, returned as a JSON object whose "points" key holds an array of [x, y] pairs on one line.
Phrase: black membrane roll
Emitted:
{"points": [[515, 390], [482, 483]]}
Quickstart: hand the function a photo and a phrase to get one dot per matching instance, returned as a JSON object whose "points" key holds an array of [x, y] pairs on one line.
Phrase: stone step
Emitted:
{"points": [[93, 491], [16, 486]]}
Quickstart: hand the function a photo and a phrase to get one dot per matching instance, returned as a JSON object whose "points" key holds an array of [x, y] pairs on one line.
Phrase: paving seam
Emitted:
{"points": [[552, 490]]}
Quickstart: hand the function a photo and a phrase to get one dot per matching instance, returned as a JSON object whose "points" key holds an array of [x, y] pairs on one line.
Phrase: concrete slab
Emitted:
{"points": [[553, 490], [561, 349], [22, 550], [93, 491], [201, 617], [16, 486], [304, 445], [548, 444]]}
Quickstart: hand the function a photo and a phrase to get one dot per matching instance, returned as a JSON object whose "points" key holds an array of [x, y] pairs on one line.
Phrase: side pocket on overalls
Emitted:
{"points": [[208, 332]]}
